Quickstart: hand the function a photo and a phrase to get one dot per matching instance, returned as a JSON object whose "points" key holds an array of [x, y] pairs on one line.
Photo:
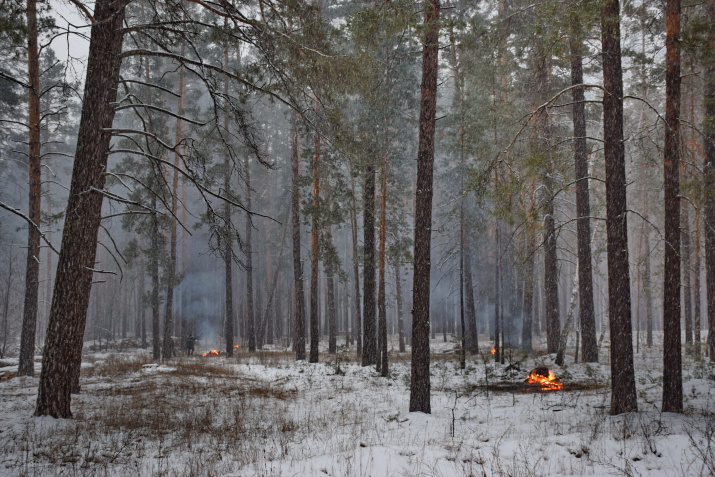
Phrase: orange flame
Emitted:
{"points": [[236, 346], [213, 352], [494, 351], [545, 378]]}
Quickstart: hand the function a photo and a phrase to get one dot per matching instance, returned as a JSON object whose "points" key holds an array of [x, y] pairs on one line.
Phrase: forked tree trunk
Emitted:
{"points": [[583, 210], [32, 271], [298, 295], [314, 255], [63, 346], [623, 386], [419, 375], [369, 350]]}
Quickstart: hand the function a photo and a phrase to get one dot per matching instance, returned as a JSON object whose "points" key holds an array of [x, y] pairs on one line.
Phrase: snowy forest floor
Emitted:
{"points": [[268, 415]]}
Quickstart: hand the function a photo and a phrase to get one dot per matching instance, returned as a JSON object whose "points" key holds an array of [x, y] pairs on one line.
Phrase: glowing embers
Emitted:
{"points": [[544, 378], [213, 352], [494, 351], [236, 346]]}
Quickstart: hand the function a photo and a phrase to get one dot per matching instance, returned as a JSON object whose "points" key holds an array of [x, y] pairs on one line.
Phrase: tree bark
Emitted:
{"points": [[382, 363], [250, 315], [32, 271], [63, 345], [171, 278], [419, 376], [623, 386], [400, 319], [685, 262], [672, 359], [528, 323], [298, 294], [357, 321], [369, 350], [330, 272], [709, 180], [228, 240], [473, 338], [314, 255], [589, 347]]}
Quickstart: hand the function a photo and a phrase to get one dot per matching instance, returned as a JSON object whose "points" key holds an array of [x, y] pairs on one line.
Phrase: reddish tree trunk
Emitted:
{"points": [[419, 377], [32, 272]]}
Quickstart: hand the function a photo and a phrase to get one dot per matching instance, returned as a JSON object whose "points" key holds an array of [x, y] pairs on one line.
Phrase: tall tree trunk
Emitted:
{"points": [[419, 376], [63, 346], [6, 306], [709, 179], [330, 272], [473, 338], [685, 266], [496, 328], [382, 363], [32, 271], [369, 350], [357, 321], [228, 240], [623, 386], [528, 323], [314, 254], [587, 314], [672, 359], [250, 315], [168, 345], [140, 299], [695, 265], [400, 318], [298, 295]]}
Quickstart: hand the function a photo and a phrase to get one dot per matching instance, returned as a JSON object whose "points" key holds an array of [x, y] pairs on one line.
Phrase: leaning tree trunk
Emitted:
{"points": [[298, 295], [709, 179], [314, 256], [589, 347], [672, 359], [623, 385], [26, 365], [65, 333], [419, 376], [369, 350]]}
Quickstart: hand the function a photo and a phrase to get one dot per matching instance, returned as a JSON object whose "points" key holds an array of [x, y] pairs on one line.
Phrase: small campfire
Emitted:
{"points": [[236, 346], [545, 378], [213, 352], [494, 350]]}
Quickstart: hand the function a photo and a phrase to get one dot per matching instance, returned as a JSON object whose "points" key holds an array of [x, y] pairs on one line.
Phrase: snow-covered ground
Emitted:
{"points": [[268, 415]]}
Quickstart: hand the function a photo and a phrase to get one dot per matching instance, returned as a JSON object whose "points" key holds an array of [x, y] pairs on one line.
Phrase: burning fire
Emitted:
{"points": [[236, 346], [494, 351], [545, 378], [213, 352]]}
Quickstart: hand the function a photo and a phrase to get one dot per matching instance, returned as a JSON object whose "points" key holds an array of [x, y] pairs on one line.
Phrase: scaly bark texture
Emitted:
{"points": [[589, 347], [369, 344], [32, 271], [419, 376], [709, 173], [65, 333], [623, 384], [298, 294], [672, 359], [314, 265]]}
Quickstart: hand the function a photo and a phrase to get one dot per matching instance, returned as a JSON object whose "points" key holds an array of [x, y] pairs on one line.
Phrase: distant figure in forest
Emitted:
{"points": [[190, 345]]}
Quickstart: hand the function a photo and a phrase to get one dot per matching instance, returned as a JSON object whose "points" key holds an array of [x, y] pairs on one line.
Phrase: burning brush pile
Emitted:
{"points": [[215, 352], [543, 378], [539, 380]]}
